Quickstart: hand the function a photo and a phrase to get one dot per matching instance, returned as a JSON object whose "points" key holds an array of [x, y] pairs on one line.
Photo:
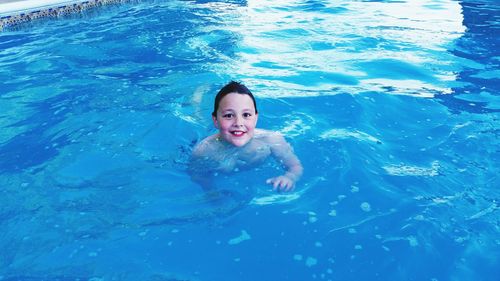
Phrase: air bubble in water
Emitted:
{"points": [[365, 206]]}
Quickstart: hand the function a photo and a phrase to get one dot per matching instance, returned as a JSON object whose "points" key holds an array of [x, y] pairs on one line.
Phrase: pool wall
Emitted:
{"points": [[17, 12]]}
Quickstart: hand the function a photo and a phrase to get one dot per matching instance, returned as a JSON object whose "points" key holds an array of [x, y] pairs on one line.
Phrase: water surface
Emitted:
{"points": [[392, 106]]}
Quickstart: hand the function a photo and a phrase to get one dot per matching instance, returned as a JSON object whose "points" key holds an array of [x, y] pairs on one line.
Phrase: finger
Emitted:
{"points": [[276, 184], [289, 185], [273, 182], [283, 185]]}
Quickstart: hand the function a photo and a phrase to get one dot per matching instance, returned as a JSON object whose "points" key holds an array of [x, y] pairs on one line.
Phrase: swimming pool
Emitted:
{"points": [[392, 106]]}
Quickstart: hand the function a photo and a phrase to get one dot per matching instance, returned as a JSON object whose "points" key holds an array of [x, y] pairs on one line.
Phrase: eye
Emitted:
{"points": [[228, 116], [247, 114]]}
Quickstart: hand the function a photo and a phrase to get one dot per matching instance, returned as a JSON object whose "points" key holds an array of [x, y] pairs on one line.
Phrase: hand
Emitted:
{"points": [[282, 183]]}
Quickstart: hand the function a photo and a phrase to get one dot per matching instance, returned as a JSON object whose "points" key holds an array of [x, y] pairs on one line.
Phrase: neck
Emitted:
{"points": [[228, 145]]}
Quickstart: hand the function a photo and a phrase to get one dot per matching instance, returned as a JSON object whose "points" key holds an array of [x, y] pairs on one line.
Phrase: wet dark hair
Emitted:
{"points": [[232, 87]]}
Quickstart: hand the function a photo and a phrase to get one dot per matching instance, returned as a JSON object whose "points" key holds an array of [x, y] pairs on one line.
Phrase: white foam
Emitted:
{"points": [[408, 170], [344, 134], [280, 198], [275, 199], [296, 127], [237, 240]]}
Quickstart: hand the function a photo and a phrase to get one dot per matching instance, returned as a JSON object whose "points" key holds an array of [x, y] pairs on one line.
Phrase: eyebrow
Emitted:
{"points": [[231, 109]]}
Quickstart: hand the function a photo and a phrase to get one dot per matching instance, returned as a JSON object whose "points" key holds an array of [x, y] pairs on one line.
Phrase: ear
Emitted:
{"points": [[216, 124], [256, 117]]}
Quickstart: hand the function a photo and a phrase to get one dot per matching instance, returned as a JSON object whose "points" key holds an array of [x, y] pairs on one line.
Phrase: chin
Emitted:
{"points": [[239, 143]]}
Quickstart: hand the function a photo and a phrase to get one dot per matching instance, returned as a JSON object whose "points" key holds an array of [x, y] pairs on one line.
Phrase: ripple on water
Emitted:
{"points": [[409, 170], [345, 134]]}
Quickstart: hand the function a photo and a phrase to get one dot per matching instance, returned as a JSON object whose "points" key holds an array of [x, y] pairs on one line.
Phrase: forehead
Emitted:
{"points": [[236, 100]]}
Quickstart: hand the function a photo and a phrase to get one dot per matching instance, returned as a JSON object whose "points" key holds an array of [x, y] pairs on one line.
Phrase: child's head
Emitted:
{"points": [[232, 87], [235, 114]]}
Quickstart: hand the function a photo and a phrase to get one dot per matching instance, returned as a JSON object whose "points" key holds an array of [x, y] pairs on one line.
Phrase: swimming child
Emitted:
{"points": [[239, 144]]}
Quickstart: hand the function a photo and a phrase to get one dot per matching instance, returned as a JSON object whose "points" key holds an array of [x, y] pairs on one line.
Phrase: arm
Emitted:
{"points": [[283, 152], [198, 166]]}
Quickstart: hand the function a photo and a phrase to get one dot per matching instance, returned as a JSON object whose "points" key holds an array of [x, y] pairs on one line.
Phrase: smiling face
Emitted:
{"points": [[236, 119]]}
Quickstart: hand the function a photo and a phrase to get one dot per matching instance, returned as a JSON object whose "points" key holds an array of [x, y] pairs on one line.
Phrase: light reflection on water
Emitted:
{"points": [[327, 47]]}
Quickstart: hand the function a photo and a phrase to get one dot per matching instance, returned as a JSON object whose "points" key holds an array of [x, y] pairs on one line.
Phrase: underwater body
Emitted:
{"points": [[391, 106]]}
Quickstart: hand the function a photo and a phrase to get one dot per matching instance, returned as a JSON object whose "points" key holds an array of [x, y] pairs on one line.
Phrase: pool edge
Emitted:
{"points": [[53, 10]]}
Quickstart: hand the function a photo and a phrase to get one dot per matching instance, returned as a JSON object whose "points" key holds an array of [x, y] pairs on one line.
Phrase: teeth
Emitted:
{"points": [[237, 133]]}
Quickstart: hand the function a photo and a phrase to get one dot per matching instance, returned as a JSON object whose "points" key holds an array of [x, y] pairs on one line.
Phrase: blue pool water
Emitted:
{"points": [[392, 107]]}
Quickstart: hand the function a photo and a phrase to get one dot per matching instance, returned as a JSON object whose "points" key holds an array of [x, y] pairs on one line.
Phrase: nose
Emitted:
{"points": [[238, 121]]}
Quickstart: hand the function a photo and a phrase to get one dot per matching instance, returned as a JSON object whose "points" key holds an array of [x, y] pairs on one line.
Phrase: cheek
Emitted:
{"points": [[252, 124], [255, 120], [224, 125]]}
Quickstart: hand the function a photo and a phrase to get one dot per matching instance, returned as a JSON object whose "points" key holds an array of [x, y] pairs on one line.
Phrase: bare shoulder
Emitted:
{"points": [[205, 146]]}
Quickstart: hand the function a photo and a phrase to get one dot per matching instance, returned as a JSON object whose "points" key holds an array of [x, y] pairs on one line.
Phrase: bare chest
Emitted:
{"points": [[247, 157]]}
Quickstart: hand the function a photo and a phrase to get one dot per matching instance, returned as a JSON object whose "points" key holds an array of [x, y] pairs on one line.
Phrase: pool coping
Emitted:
{"points": [[20, 11]]}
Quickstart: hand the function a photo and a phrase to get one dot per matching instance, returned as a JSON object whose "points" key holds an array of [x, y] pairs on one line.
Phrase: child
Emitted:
{"points": [[238, 144]]}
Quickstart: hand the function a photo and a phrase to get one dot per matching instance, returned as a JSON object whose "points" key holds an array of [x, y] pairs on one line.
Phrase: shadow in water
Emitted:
{"points": [[480, 45]]}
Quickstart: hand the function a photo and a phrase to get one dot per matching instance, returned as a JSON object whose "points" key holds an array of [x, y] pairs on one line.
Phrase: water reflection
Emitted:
{"points": [[330, 47], [479, 78]]}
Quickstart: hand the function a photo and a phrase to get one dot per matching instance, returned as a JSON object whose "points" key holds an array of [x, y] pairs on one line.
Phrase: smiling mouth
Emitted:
{"points": [[237, 133]]}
